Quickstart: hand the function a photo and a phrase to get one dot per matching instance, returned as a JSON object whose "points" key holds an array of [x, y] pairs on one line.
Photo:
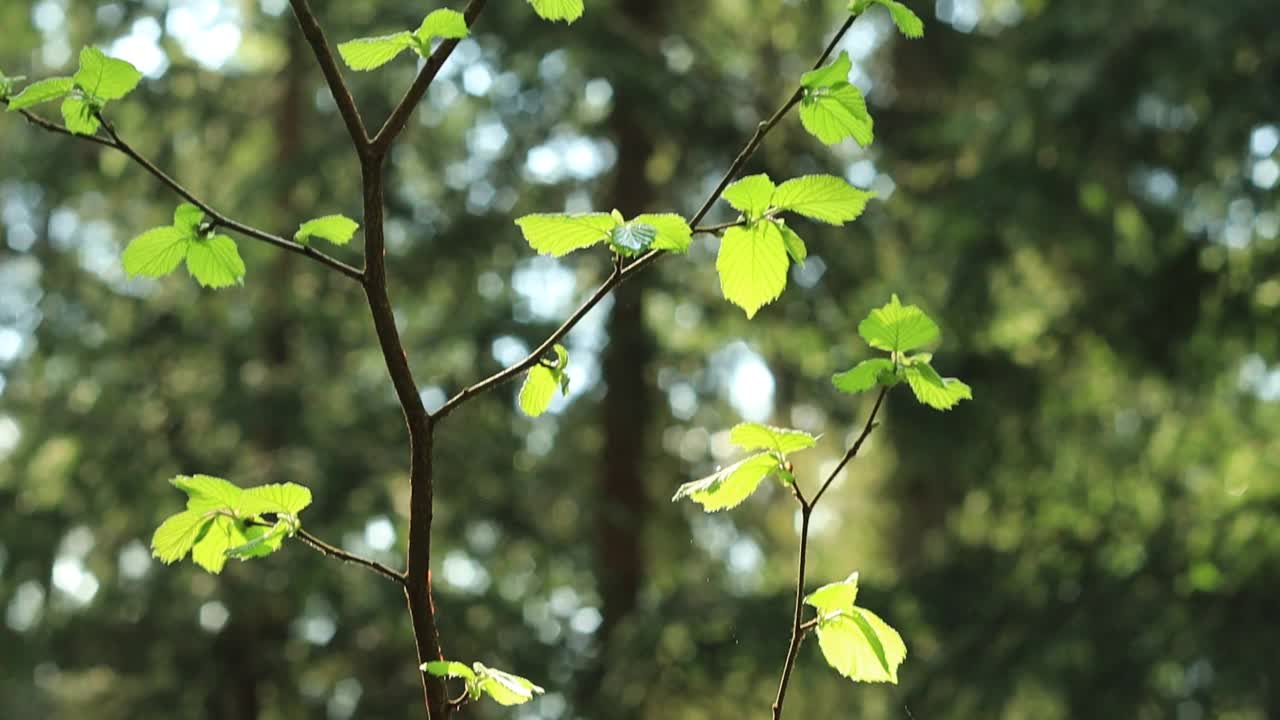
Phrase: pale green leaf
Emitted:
{"points": [[934, 390], [215, 262], [837, 113], [837, 71], [7, 84], [753, 265], [260, 541], [206, 493], [337, 229], [562, 356], [758, 436], [210, 552], [674, 233], [443, 668], [834, 597], [449, 24], [750, 195], [727, 488], [632, 238], [567, 10], [279, 498], [559, 235], [825, 198], [188, 217], [538, 390], [909, 24], [861, 646], [41, 91], [505, 688], [898, 328], [863, 376], [155, 252], [794, 244], [105, 78], [374, 52], [176, 535], [78, 116]]}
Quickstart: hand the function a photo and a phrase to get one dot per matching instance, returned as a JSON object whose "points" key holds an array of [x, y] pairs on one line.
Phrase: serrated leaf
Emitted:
{"points": [[567, 10], [177, 535], [538, 390], [837, 113], [279, 498], [758, 436], [505, 688], [753, 263], [861, 646], [898, 328], [210, 552], [105, 78], [41, 91], [562, 356], [909, 24], [837, 71], [78, 116], [561, 234], [215, 262], [188, 217], [449, 24], [934, 390], [674, 234], [206, 493], [750, 195], [337, 229], [447, 669], [728, 487], [794, 244], [374, 52], [863, 376], [156, 252], [632, 238], [260, 541], [834, 597], [825, 198]]}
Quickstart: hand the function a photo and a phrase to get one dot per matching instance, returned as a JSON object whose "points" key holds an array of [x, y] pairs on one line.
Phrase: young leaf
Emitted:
{"points": [[188, 217], [279, 498], [825, 198], [632, 238], [337, 229], [374, 52], [538, 390], [863, 376], [909, 24], [753, 265], [837, 113], [834, 597], [7, 84], [757, 436], [861, 646], [215, 262], [78, 116], [934, 390], [449, 24], [674, 233], [828, 75], [260, 541], [176, 535], [794, 244], [558, 235], [727, 488], [206, 493], [505, 688], [105, 78], [567, 10], [750, 195], [897, 327], [445, 669], [156, 252], [41, 91], [210, 552]]}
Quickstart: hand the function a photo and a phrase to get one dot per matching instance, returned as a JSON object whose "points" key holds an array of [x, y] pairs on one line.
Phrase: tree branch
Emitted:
{"points": [[399, 117], [332, 75], [621, 273], [338, 553]]}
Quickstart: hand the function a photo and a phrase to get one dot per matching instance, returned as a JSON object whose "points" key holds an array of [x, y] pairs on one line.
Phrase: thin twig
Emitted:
{"points": [[332, 75], [857, 445], [328, 550], [716, 229], [56, 128], [621, 274]]}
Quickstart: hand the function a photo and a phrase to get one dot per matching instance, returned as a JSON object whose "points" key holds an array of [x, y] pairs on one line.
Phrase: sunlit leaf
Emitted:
{"points": [[934, 390], [825, 198], [837, 113], [337, 229], [753, 265], [727, 488], [176, 535], [834, 597], [538, 390], [156, 252], [758, 436], [567, 10], [560, 234], [41, 91], [750, 195], [674, 233], [898, 328], [863, 376], [78, 116], [215, 262], [442, 23], [374, 52], [105, 78]]}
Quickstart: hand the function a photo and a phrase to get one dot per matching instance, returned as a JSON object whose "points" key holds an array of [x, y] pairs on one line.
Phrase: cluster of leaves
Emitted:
{"points": [[558, 235], [898, 329], [728, 487], [543, 380], [854, 640], [223, 521], [503, 687], [374, 52], [98, 80]]}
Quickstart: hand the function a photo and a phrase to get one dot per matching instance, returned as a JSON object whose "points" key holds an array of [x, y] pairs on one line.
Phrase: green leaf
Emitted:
{"points": [[727, 488], [674, 233], [7, 84], [188, 217], [909, 24], [449, 24], [105, 78], [260, 541], [562, 356], [337, 229], [215, 262], [446, 669], [753, 265], [897, 327], [176, 535], [757, 436], [559, 235], [632, 238], [79, 117], [538, 390], [836, 72], [861, 646], [750, 195], [837, 113], [825, 198], [41, 91], [505, 688], [210, 552], [834, 597], [156, 252], [206, 493], [279, 498], [567, 10], [863, 376], [934, 390], [794, 244], [374, 52]]}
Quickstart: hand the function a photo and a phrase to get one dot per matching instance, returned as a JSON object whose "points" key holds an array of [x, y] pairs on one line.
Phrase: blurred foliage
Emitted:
{"points": [[1083, 194]]}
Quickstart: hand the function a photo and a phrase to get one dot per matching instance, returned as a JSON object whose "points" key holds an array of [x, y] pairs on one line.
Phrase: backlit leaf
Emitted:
{"points": [[538, 390], [898, 328], [837, 113], [155, 252], [758, 436], [753, 264], [559, 234], [374, 52], [825, 198], [105, 78], [750, 195], [727, 488], [863, 376], [567, 10], [41, 91], [215, 262], [337, 229]]}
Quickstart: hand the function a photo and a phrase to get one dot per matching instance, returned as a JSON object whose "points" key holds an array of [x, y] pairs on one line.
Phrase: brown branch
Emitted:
{"points": [[621, 273], [335, 552], [56, 128], [332, 75], [399, 117]]}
